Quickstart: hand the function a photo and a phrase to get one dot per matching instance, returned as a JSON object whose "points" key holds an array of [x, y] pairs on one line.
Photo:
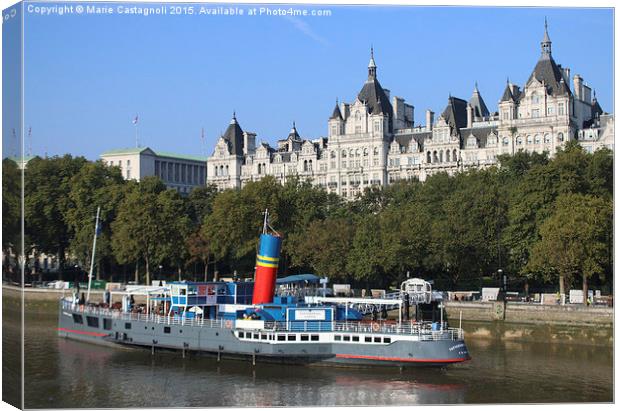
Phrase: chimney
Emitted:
{"points": [[430, 118], [249, 142], [577, 86], [470, 116]]}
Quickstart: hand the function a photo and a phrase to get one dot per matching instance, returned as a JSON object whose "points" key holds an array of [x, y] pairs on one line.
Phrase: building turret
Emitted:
{"points": [[372, 67], [545, 44]]}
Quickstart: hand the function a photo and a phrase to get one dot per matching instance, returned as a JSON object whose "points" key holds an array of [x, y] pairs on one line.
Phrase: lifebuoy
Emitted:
{"points": [[376, 327], [228, 324]]}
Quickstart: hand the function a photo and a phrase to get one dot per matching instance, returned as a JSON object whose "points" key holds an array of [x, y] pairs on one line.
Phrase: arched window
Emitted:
{"points": [[535, 98], [357, 152], [428, 157], [505, 141], [560, 137], [221, 170], [547, 138], [529, 140], [259, 168], [441, 156], [519, 140], [344, 153], [435, 158], [226, 171], [447, 156], [365, 152], [332, 154], [375, 151], [454, 157], [358, 116], [310, 165], [305, 165], [537, 139], [215, 170]]}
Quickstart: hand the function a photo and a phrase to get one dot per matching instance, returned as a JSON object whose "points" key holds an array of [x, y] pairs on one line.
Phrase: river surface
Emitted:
{"points": [[70, 374]]}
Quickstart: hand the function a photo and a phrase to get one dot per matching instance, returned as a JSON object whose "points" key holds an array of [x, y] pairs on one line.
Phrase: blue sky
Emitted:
{"points": [[87, 76]]}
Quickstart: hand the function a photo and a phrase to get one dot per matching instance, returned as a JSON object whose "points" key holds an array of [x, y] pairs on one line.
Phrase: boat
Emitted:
{"points": [[249, 320]]}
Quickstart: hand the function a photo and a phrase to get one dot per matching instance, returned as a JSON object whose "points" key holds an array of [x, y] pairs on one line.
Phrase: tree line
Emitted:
{"points": [[538, 220]]}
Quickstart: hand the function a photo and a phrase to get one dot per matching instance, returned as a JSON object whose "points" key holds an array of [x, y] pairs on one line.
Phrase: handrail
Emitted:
{"points": [[423, 330]]}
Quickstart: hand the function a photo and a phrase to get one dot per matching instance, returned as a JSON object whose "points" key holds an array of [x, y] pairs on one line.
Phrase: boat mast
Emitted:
{"points": [[92, 259], [265, 221]]}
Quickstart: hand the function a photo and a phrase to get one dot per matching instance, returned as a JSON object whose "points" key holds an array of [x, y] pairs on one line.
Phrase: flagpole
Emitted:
{"points": [[92, 260], [136, 126]]}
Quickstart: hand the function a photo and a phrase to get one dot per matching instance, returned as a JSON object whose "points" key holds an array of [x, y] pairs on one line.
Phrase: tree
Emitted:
{"points": [[95, 185], [150, 225], [11, 205], [46, 202], [366, 258], [574, 239], [11, 214], [323, 247]]}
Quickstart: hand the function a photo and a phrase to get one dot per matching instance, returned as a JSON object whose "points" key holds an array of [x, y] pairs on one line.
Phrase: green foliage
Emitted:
{"points": [[47, 201], [575, 239], [151, 225], [95, 185], [11, 205], [458, 228]]}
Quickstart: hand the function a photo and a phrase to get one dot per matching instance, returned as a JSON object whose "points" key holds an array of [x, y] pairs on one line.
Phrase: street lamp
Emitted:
{"points": [[500, 272]]}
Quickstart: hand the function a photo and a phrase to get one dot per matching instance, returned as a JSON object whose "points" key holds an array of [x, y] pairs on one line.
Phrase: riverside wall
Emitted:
{"points": [[519, 322]]}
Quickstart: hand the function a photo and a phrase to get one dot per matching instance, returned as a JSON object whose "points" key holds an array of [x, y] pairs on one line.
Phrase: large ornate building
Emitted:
{"points": [[374, 141]]}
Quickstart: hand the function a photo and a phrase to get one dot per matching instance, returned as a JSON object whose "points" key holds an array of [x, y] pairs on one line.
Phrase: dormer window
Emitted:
{"points": [[535, 98]]}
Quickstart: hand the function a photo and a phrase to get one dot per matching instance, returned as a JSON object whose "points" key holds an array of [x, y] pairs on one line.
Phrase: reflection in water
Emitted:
{"points": [[65, 373]]}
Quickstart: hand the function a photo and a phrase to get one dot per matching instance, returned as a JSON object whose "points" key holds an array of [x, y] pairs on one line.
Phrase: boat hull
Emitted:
{"points": [[225, 343]]}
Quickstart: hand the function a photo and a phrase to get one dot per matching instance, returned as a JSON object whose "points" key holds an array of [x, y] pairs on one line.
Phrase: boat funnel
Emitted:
{"points": [[266, 268]]}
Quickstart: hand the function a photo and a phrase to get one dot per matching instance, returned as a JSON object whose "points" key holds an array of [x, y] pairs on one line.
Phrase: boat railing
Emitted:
{"points": [[424, 330]]}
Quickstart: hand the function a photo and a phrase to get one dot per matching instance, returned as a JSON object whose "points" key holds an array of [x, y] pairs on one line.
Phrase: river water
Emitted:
{"points": [[70, 374]]}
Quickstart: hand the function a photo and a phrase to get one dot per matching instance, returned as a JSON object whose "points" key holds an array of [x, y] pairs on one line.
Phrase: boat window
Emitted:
{"points": [[263, 336], [367, 339], [281, 337], [255, 336], [305, 337], [347, 338], [128, 326], [377, 339], [92, 321], [107, 324], [337, 337], [271, 337], [77, 318], [356, 338], [292, 337], [166, 330], [387, 340], [314, 337], [241, 334]]}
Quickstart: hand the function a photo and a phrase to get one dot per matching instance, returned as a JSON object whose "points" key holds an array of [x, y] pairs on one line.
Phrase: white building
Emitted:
{"points": [[178, 172], [373, 141]]}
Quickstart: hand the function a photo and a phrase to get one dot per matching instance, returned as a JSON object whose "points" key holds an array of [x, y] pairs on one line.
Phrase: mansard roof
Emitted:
{"points": [[477, 103], [405, 139], [234, 136], [548, 72], [507, 96], [293, 134], [455, 113], [480, 133], [375, 98], [336, 114], [596, 108]]}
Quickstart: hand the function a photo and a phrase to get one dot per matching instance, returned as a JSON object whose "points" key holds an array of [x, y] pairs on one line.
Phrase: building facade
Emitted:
{"points": [[178, 172], [373, 140]]}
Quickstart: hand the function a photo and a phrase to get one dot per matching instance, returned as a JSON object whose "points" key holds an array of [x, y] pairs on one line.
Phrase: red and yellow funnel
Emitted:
{"points": [[266, 268]]}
